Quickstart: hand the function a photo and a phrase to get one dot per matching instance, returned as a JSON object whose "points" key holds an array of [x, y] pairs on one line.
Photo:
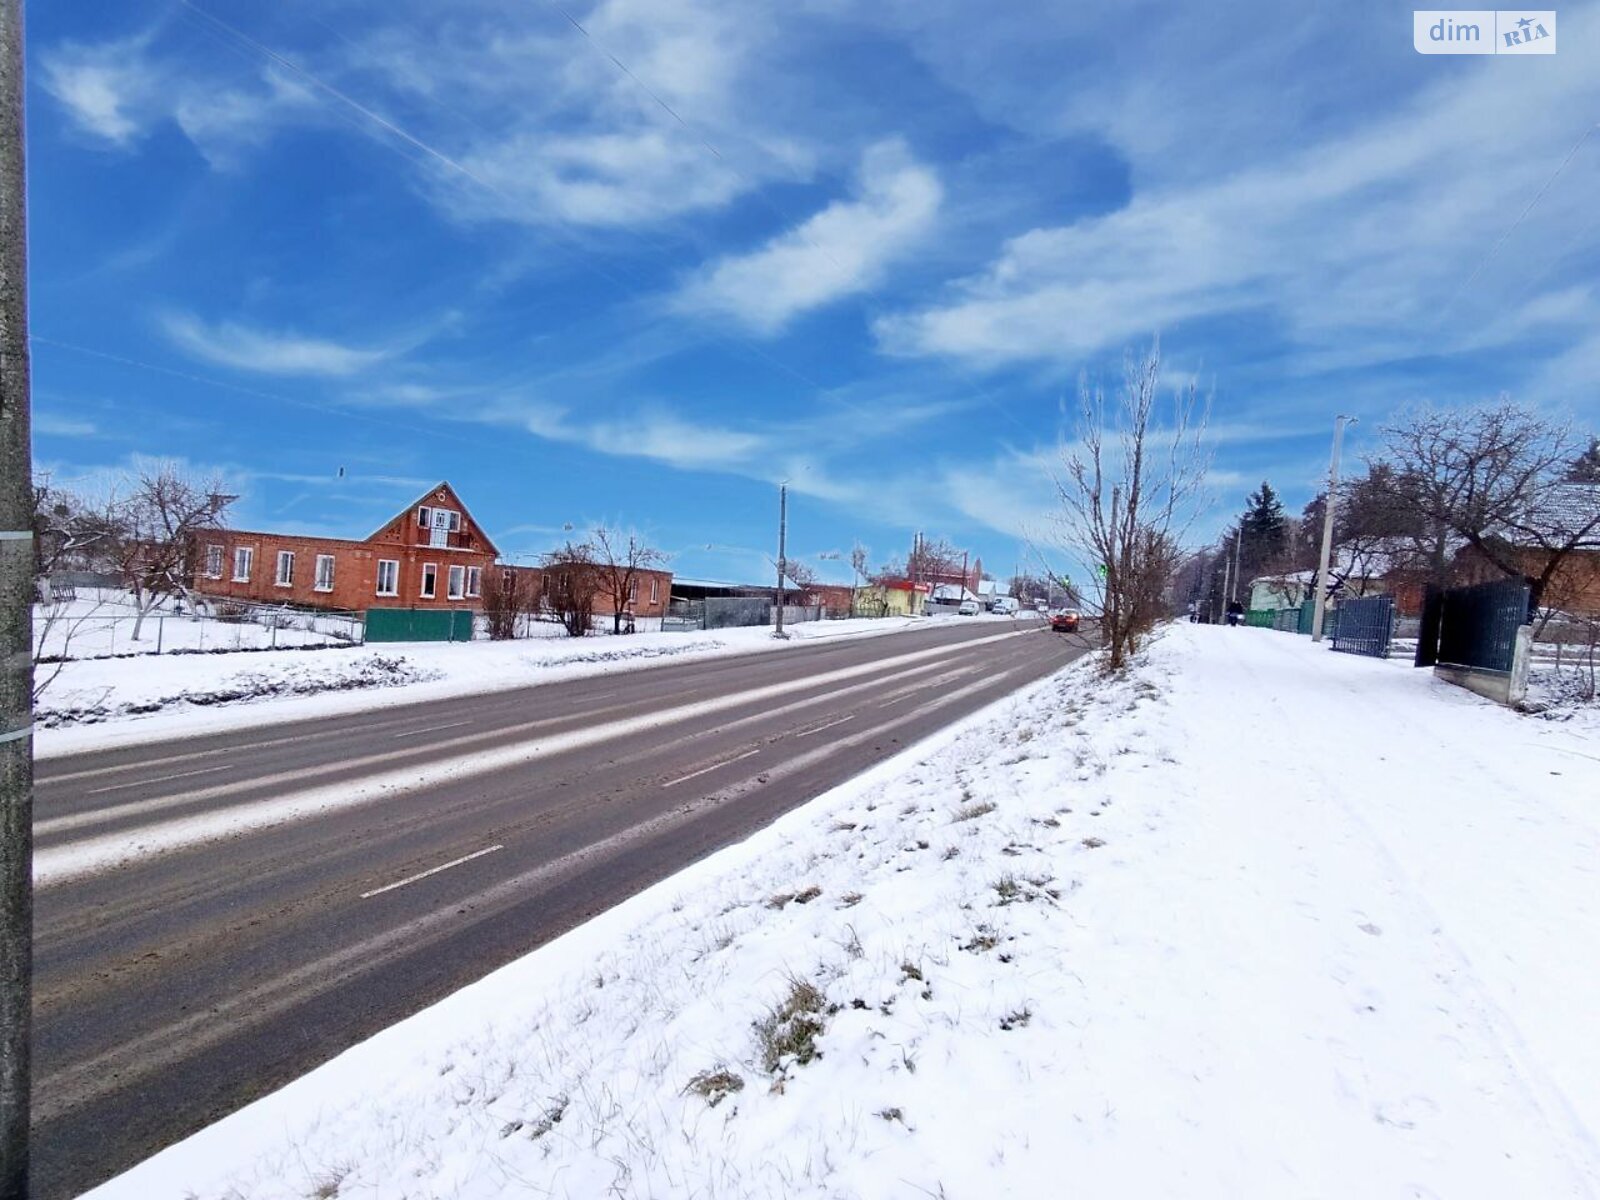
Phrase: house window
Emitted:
{"points": [[430, 580], [244, 558], [285, 568], [439, 518], [388, 577], [655, 590], [474, 580], [324, 572], [458, 582], [633, 592], [213, 562]]}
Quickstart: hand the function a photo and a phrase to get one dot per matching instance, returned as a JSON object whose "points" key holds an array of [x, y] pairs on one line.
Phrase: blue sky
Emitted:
{"points": [[635, 262]]}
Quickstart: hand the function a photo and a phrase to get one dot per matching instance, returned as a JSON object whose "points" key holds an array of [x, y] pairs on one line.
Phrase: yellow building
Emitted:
{"points": [[892, 598]]}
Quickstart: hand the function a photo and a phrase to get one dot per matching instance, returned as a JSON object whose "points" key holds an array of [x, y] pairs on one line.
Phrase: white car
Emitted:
{"points": [[969, 608]]}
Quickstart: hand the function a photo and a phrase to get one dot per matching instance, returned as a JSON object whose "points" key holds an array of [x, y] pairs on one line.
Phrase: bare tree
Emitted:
{"points": [[508, 596], [69, 533], [1126, 494], [801, 574], [936, 562], [156, 527], [618, 563], [571, 583], [1494, 478]]}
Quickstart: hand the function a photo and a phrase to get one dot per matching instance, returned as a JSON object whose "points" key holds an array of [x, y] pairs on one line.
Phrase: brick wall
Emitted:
{"points": [[355, 568]]}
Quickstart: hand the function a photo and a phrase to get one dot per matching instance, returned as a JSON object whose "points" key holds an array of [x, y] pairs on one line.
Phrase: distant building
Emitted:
{"points": [[431, 554], [892, 597]]}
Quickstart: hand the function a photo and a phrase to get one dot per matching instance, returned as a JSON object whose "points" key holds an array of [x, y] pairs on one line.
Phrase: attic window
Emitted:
{"points": [[430, 518]]}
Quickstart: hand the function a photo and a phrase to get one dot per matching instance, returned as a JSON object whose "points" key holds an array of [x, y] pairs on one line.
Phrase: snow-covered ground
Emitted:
{"points": [[1258, 920], [98, 703]]}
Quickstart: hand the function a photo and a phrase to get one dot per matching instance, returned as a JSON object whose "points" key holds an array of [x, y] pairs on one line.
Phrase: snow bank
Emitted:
{"points": [[1256, 920]]}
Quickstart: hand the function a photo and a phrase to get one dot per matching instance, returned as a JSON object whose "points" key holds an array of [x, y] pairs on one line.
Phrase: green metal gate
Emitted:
{"points": [[419, 625]]}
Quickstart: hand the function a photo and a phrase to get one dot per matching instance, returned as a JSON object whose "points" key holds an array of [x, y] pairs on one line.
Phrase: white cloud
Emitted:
{"points": [[653, 434], [1360, 243], [232, 345], [844, 249], [118, 91], [63, 427], [105, 89]]}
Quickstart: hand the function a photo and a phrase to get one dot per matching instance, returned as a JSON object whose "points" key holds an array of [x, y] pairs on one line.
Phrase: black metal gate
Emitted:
{"points": [[1474, 627], [1365, 626]]}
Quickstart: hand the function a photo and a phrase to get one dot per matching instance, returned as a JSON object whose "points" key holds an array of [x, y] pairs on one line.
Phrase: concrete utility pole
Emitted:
{"points": [[16, 627], [1238, 544], [783, 535], [1320, 607]]}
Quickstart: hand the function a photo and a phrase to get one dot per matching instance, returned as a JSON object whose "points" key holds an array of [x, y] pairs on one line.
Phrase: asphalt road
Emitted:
{"points": [[217, 915]]}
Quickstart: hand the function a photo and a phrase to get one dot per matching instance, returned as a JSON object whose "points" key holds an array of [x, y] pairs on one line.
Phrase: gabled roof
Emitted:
{"points": [[445, 496], [1566, 511]]}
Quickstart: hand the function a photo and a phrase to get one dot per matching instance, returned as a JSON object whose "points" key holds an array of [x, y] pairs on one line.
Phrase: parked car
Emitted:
{"points": [[1065, 621], [969, 608], [1006, 606], [1042, 606]]}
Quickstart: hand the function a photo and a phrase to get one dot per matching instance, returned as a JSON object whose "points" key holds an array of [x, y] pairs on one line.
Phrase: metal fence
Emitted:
{"points": [[93, 624], [1365, 626], [1261, 618], [1473, 627], [420, 624]]}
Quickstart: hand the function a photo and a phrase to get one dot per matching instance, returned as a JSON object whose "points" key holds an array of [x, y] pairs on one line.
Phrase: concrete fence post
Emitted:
{"points": [[1521, 666]]}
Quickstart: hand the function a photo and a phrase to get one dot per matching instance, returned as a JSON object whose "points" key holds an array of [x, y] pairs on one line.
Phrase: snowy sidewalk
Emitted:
{"points": [[1259, 921]]}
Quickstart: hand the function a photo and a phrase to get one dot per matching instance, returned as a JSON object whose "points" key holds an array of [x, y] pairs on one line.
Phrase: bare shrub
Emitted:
{"points": [[1126, 494], [508, 596]]}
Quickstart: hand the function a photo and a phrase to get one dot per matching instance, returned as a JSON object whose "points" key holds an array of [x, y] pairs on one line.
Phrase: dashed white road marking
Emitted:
{"points": [[117, 787], [826, 725], [707, 770], [454, 862], [411, 733]]}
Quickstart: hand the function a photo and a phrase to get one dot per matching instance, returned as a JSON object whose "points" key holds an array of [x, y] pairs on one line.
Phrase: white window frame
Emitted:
{"points": [[284, 578], [474, 581], [319, 585], [633, 592], [425, 517], [455, 587], [428, 588], [655, 590], [247, 556], [213, 562], [394, 577]]}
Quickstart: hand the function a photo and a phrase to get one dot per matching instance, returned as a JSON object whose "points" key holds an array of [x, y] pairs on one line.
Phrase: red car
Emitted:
{"points": [[1064, 622]]}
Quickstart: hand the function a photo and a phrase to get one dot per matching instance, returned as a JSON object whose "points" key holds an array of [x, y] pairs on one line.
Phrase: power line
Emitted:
{"points": [[1522, 216], [455, 165], [277, 397]]}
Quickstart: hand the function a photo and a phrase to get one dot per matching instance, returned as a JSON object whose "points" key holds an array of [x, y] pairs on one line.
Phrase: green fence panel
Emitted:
{"points": [[1261, 618], [418, 625]]}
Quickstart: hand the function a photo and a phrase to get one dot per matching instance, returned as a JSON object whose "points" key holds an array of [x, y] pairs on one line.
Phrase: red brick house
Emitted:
{"points": [[649, 595], [432, 554]]}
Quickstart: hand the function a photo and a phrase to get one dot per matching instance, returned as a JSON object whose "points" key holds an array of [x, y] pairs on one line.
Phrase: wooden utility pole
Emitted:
{"points": [[16, 627]]}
